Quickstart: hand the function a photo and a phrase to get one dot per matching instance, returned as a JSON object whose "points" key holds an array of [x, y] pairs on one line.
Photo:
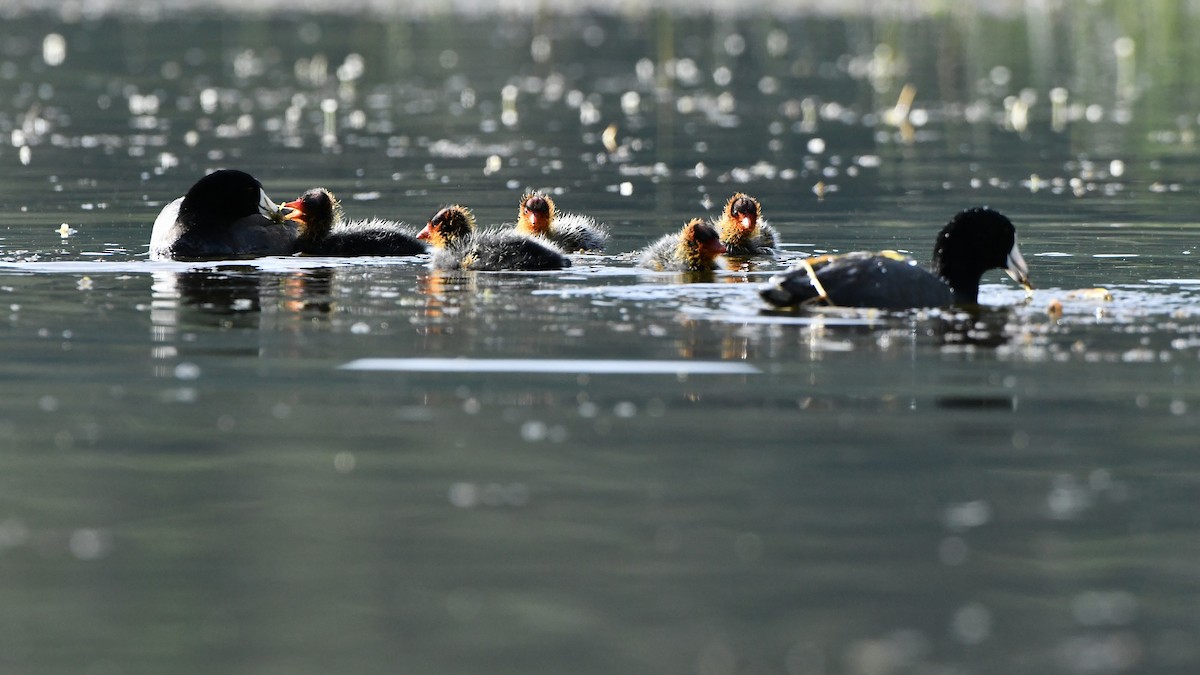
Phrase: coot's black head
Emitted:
{"points": [[537, 211], [974, 241], [447, 226], [224, 197], [315, 210], [743, 210]]}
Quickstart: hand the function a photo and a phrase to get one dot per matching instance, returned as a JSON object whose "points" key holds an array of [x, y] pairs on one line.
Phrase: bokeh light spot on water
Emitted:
{"points": [[187, 371], [966, 515], [90, 543], [468, 495], [464, 495], [48, 403], [344, 462], [625, 409], [722, 76], [1068, 498], [534, 431], [895, 653], [13, 533], [541, 48], [54, 49], [972, 624]]}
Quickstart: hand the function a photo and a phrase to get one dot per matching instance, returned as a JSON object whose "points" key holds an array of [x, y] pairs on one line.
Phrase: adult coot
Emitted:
{"points": [[226, 214], [974, 241]]}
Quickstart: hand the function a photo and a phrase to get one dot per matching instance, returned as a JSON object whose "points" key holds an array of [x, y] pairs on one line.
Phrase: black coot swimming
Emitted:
{"points": [[974, 241], [226, 214]]}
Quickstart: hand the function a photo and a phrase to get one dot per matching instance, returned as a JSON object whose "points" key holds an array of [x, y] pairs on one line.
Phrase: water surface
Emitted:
{"points": [[198, 477]]}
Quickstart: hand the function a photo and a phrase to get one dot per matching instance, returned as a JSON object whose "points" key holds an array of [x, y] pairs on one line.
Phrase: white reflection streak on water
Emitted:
{"points": [[164, 318], [568, 366]]}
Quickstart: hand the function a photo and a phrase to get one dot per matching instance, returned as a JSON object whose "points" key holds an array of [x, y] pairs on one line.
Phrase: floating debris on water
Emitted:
{"points": [[1098, 294]]}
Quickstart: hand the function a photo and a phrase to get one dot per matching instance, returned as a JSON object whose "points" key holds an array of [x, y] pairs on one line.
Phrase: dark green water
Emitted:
{"points": [[192, 482]]}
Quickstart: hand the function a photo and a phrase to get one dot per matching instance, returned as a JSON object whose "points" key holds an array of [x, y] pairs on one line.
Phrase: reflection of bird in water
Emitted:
{"points": [[973, 242], [309, 292], [568, 231], [695, 248], [323, 230], [458, 245], [225, 298], [977, 326], [226, 214], [744, 231], [444, 291], [233, 296], [705, 339]]}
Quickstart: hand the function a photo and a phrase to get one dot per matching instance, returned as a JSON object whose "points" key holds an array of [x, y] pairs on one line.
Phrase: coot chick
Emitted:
{"points": [[974, 241], [743, 229], [323, 230], [537, 216], [457, 245], [226, 214], [695, 248]]}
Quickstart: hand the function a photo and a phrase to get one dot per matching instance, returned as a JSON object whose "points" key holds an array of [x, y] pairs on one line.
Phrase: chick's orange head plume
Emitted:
{"points": [[744, 210], [705, 238], [537, 210], [449, 223]]}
